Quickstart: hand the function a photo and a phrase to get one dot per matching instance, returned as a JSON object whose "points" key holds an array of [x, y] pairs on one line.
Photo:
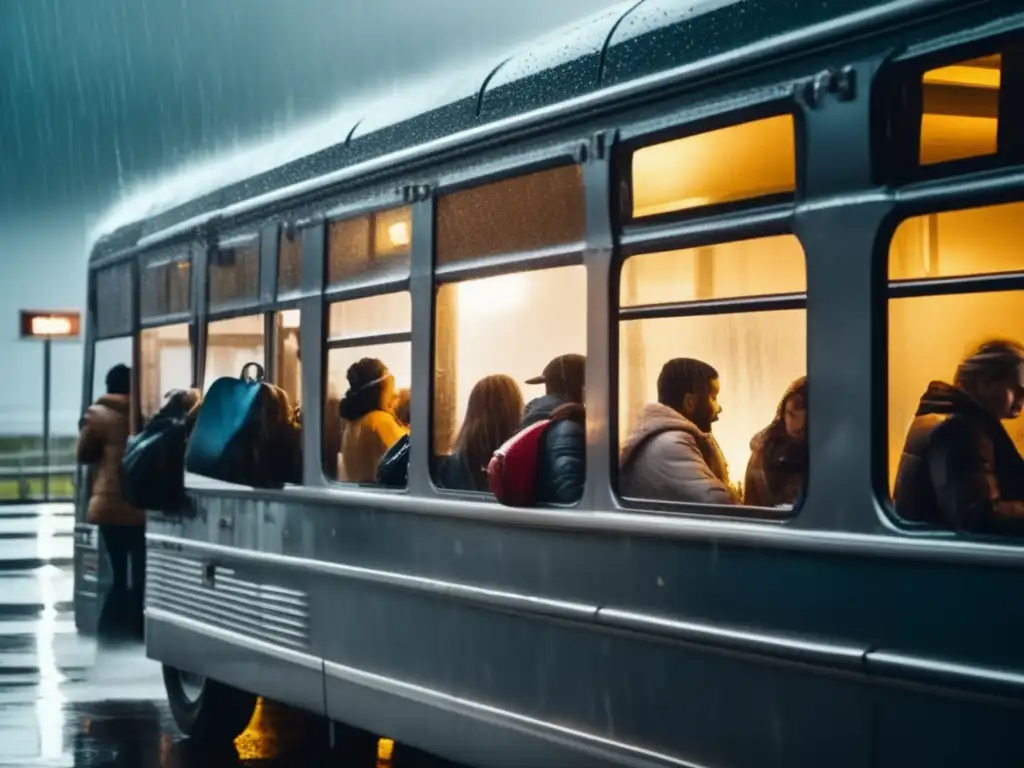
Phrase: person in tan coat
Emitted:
{"points": [[671, 454], [103, 433]]}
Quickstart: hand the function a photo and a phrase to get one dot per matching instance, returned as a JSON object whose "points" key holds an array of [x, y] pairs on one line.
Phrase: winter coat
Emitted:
{"points": [[101, 441], [958, 466], [364, 443], [667, 458], [561, 466]]}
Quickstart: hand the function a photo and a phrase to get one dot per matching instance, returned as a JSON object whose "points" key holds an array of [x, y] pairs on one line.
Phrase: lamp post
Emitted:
{"points": [[47, 326]]}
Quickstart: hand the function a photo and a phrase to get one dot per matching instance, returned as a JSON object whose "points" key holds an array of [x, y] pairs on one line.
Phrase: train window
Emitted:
{"points": [[289, 261], [113, 300], [937, 325], [495, 337], [960, 110], [231, 344], [751, 365], [526, 213], [287, 365], [165, 365], [377, 243], [165, 286], [760, 267], [369, 358], [235, 275], [738, 162]]}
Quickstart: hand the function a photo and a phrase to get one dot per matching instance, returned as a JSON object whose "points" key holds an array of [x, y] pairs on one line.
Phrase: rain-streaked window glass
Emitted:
{"points": [[960, 110], [114, 300], [165, 365], [165, 285], [495, 337], [289, 260], [738, 162], [930, 336], [231, 345], [522, 214], [287, 360], [377, 244], [369, 356], [732, 380], [235, 275]]}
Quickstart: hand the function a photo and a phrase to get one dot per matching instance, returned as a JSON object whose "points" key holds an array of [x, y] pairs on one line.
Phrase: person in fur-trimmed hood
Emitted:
{"points": [[777, 469]]}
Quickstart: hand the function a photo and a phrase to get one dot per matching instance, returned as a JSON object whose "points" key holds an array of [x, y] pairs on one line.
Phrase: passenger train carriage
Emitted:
{"points": [[776, 187]]}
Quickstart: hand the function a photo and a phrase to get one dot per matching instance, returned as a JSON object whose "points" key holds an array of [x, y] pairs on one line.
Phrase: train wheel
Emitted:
{"points": [[206, 710]]}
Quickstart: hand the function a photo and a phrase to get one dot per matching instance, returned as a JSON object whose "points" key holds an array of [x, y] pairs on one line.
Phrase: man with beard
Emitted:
{"points": [[959, 468], [670, 454]]}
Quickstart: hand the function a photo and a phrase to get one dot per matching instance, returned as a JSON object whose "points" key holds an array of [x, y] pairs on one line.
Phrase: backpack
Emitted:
{"points": [[153, 467], [512, 470], [393, 470], [246, 433]]}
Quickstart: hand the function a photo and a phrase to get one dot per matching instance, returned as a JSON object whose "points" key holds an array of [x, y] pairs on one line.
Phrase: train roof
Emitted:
{"points": [[623, 44]]}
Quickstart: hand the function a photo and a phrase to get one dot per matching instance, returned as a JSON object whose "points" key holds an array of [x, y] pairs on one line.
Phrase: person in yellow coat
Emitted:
{"points": [[369, 425]]}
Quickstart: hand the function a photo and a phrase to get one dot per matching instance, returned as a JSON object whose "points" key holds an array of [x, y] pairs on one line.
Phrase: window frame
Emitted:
{"points": [[165, 256], [760, 104], [959, 193], [365, 283], [232, 240], [897, 109]]}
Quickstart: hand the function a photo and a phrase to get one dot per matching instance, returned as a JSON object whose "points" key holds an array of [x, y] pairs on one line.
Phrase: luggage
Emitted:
{"points": [[153, 467], [246, 433]]}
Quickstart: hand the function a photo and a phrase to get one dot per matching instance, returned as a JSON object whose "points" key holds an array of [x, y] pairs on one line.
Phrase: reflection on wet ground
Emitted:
{"points": [[67, 701]]}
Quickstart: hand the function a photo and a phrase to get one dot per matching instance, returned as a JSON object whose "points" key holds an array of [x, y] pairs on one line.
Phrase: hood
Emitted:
{"points": [[119, 403], [656, 417], [540, 408], [942, 398]]}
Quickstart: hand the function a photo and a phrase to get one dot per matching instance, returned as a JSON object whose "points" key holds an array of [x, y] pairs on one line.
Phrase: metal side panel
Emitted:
{"points": [[285, 676], [90, 568]]}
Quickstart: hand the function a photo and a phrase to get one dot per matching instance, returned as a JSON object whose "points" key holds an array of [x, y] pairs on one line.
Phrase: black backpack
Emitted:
{"points": [[153, 467], [393, 470]]}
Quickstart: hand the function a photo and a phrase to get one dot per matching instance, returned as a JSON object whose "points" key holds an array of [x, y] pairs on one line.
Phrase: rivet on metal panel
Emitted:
{"points": [[334, 533], [844, 83]]}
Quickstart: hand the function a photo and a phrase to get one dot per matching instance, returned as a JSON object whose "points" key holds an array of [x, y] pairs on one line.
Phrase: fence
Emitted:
{"points": [[24, 473]]}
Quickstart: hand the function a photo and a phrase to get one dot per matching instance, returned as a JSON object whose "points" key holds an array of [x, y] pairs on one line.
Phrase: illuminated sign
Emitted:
{"points": [[50, 325]]}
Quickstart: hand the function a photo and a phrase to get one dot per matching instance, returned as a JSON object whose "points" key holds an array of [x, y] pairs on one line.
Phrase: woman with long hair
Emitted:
{"points": [[493, 414], [369, 427], [777, 469]]}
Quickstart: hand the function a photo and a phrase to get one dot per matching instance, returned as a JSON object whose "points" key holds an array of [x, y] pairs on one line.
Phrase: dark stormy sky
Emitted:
{"points": [[96, 95]]}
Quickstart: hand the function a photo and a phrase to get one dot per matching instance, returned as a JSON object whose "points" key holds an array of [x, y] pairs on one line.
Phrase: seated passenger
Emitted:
{"points": [[777, 469], [369, 428], [561, 466], [492, 416], [671, 455], [959, 467]]}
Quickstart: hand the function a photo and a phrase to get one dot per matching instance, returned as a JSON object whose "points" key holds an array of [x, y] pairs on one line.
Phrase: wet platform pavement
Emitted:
{"points": [[66, 700]]}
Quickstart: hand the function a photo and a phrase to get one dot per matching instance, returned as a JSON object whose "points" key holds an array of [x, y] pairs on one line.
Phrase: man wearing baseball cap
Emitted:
{"points": [[561, 466]]}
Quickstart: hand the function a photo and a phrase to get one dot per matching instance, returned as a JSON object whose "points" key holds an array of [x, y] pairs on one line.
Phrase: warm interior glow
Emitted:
{"points": [[166, 364], [492, 296], [385, 313], [733, 163], [767, 265], [960, 117], [929, 336], [978, 73], [290, 318], [230, 345], [512, 324], [398, 233]]}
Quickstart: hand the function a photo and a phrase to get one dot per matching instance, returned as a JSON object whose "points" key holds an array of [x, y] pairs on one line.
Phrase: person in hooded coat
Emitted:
{"points": [[959, 468], [777, 469], [561, 465], [102, 437], [369, 427], [671, 454]]}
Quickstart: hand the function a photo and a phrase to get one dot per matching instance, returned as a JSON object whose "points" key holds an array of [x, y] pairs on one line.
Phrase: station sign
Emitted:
{"points": [[39, 324]]}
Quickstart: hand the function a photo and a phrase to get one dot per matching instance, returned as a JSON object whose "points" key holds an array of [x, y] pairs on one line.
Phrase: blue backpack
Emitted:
{"points": [[246, 433]]}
